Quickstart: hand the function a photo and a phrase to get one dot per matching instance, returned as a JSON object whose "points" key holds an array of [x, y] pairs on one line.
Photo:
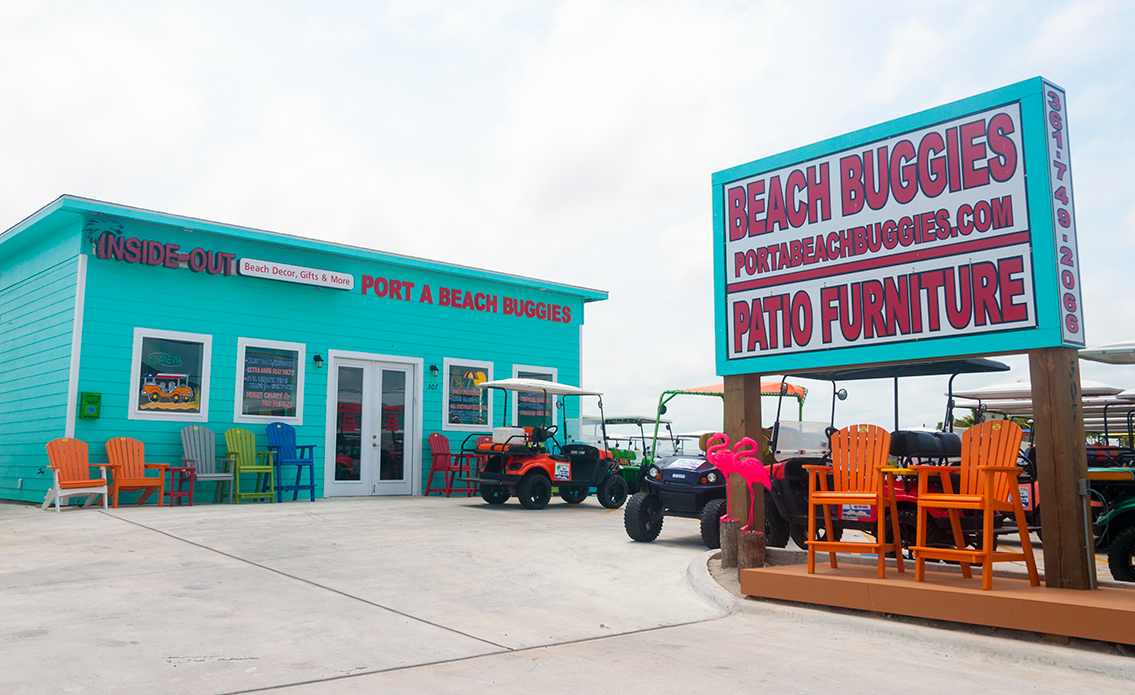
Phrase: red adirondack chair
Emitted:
{"points": [[449, 465], [128, 466]]}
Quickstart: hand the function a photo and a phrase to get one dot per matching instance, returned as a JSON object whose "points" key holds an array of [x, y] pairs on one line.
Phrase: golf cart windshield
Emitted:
{"points": [[768, 388], [547, 388]]}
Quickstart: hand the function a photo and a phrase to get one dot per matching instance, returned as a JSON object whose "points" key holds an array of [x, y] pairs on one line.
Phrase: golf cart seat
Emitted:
{"points": [[581, 452], [518, 449], [924, 444]]}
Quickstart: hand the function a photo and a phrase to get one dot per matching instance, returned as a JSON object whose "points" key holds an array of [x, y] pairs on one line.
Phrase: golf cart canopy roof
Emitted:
{"points": [[537, 386], [1024, 389], [625, 420], [940, 367], [768, 388], [1112, 353], [1023, 407]]}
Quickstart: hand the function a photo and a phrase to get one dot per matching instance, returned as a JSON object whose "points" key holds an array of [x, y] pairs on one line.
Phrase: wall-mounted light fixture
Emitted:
{"points": [[433, 370], [318, 361]]}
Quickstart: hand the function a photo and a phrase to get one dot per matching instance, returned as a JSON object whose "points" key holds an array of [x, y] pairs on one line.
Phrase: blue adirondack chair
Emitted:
{"points": [[282, 440]]}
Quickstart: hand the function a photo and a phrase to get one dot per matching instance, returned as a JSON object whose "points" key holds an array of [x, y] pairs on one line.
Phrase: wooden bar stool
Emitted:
{"points": [[859, 452]]}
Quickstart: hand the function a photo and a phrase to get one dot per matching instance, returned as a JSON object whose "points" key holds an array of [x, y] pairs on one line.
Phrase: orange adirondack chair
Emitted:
{"points": [[71, 470], [987, 483], [128, 465], [858, 454]]}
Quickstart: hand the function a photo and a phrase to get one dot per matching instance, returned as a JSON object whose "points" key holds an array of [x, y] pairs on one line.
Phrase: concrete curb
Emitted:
{"points": [[955, 638], [951, 638], [706, 587]]}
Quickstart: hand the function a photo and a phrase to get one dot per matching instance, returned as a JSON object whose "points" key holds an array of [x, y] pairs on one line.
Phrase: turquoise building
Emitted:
{"points": [[118, 321]]}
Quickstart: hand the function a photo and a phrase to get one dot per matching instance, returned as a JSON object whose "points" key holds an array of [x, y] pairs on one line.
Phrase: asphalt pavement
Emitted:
{"points": [[450, 595]]}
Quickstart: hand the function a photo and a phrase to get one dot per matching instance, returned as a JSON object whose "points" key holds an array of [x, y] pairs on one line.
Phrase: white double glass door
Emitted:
{"points": [[374, 427]]}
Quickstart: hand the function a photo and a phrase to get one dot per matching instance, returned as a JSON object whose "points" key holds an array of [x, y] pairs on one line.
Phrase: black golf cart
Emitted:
{"points": [[685, 485]]}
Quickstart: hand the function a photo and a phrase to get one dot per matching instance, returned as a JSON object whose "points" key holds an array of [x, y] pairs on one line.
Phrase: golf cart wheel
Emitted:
{"points": [[711, 523], [1121, 556], [534, 491], [494, 494], [612, 492], [643, 517], [799, 533], [776, 527], [573, 495]]}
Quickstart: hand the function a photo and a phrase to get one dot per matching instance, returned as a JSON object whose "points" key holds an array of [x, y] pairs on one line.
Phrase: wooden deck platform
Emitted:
{"points": [[1106, 614]]}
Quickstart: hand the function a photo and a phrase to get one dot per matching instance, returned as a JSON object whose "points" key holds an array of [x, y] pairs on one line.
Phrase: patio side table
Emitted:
{"points": [[181, 475]]}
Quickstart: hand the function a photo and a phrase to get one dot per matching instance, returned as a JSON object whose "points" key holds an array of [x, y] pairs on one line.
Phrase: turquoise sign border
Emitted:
{"points": [[1046, 289]]}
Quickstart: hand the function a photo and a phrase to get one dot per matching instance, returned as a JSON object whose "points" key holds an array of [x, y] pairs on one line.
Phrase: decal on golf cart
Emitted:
{"points": [[855, 512], [1026, 491], [685, 465], [563, 470]]}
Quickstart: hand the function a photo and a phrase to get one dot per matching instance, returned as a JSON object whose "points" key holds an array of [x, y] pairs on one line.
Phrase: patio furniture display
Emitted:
{"points": [[71, 472], [241, 445], [859, 452], [199, 451], [451, 466], [128, 470], [282, 441], [987, 482]]}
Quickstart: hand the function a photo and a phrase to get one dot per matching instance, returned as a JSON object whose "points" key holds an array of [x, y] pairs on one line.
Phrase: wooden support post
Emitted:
{"points": [[1061, 461], [743, 419], [751, 549], [730, 530]]}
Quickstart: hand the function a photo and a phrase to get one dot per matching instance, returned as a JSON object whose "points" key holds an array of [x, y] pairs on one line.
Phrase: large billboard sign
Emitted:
{"points": [[950, 232]]}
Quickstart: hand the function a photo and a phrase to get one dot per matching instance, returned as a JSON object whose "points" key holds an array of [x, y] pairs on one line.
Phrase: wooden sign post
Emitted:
{"points": [[1061, 462], [743, 419]]}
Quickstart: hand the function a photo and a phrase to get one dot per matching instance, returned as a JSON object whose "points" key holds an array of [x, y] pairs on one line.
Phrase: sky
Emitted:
{"points": [[568, 141]]}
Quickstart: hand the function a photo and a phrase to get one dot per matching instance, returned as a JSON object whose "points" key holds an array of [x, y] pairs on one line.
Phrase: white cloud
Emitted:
{"points": [[575, 140]]}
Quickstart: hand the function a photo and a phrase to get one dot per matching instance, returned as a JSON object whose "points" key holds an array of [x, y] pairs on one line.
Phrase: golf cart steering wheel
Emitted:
{"points": [[541, 434]]}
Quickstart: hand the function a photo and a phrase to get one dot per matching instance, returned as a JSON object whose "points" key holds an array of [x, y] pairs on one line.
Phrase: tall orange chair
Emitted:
{"points": [[987, 483], [71, 470], [128, 467], [858, 454], [449, 465]]}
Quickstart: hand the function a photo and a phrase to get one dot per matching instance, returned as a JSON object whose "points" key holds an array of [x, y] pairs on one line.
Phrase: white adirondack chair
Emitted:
{"points": [[199, 445]]}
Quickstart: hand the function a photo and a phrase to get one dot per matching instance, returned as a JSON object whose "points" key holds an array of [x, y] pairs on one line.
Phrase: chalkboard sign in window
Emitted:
{"points": [[170, 376], [270, 381], [467, 408], [534, 409]]}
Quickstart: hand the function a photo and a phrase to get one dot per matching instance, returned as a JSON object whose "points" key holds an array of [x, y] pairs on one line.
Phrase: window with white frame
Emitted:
{"points": [[169, 376], [269, 381], [533, 409], [467, 408]]}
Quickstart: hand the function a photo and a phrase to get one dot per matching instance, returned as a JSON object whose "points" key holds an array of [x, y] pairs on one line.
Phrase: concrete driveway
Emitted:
{"points": [[444, 595]]}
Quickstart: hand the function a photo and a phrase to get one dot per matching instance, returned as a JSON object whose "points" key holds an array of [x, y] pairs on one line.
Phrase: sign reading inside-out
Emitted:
{"points": [[294, 273], [117, 247]]}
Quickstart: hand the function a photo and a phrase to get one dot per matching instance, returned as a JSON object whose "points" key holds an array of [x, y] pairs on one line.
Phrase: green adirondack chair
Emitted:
{"points": [[241, 444]]}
